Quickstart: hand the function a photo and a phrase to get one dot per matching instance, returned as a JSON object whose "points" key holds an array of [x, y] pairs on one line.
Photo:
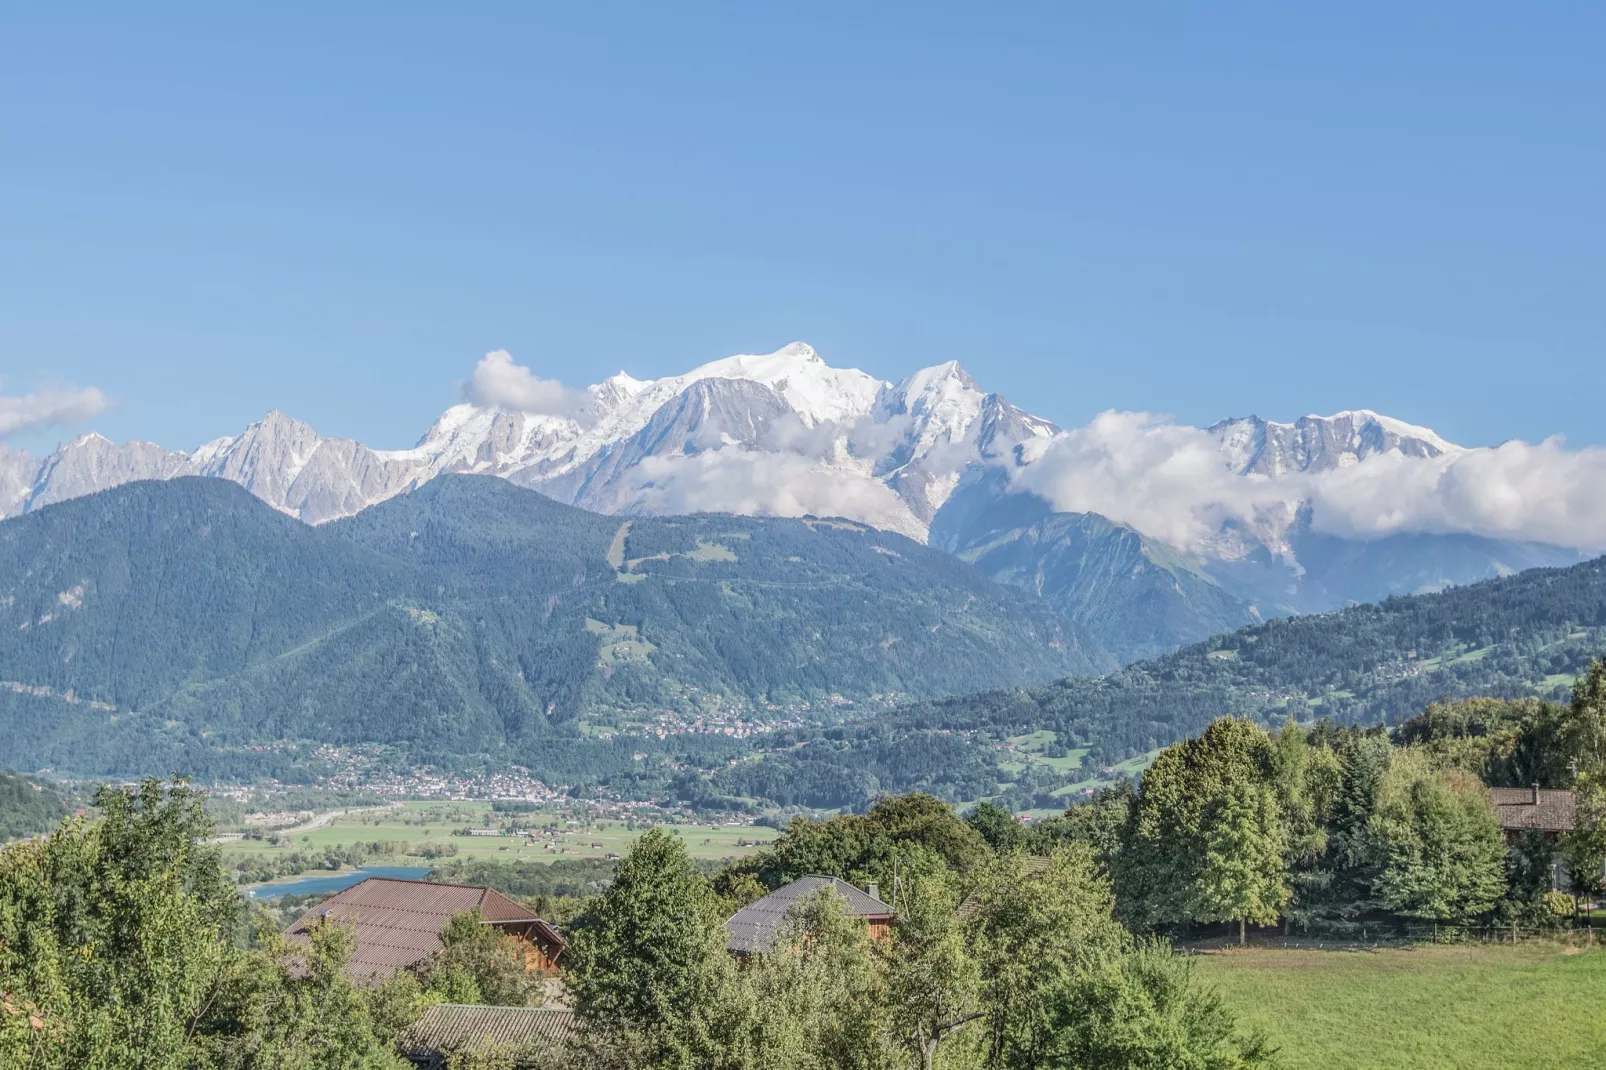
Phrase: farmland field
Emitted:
{"points": [[1480, 1007], [428, 828]]}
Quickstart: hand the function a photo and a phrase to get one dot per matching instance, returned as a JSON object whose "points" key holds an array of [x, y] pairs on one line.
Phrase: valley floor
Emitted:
{"points": [[1481, 1007]]}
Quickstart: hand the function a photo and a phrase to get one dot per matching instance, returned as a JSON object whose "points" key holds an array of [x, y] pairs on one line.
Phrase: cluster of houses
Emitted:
{"points": [[398, 923]]}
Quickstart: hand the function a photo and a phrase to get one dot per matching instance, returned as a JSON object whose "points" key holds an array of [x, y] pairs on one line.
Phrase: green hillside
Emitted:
{"points": [[160, 624], [1135, 596], [28, 807], [1523, 635], [1528, 634]]}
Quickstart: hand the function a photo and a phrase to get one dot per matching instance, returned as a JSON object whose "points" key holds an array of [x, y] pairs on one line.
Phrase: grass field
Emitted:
{"points": [[1482, 1007], [421, 823]]}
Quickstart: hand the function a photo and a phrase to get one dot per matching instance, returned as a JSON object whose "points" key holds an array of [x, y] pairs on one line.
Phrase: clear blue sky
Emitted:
{"points": [[1200, 209]]}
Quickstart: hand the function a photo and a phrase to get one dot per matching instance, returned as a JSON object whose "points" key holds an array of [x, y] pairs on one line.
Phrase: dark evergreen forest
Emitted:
{"points": [[168, 625]]}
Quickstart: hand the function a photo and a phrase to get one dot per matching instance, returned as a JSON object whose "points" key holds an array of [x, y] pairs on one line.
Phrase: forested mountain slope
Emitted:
{"points": [[145, 626], [1136, 596], [28, 807], [1523, 635]]}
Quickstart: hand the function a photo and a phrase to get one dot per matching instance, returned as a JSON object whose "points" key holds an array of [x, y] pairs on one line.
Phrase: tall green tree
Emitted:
{"points": [[933, 980], [1063, 984], [1585, 733], [1242, 877], [1585, 846], [115, 929], [819, 999], [1165, 845], [1440, 854], [648, 967]]}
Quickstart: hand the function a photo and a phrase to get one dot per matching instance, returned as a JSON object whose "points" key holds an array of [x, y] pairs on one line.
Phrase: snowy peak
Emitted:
{"points": [[812, 388], [1252, 446], [778, 433]]}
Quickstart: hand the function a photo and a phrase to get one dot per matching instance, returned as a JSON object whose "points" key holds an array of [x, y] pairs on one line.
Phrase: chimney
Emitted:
{"points": [[874, 890], [1536, 793]]}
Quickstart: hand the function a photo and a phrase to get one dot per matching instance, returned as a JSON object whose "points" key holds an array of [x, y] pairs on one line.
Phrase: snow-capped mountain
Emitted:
{"points": [[1317, 443], [782, 433], [1081, 517]]}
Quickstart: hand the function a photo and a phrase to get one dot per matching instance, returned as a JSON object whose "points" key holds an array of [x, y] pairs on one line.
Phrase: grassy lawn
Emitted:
{"points": [[1486, 1007], [433, 823]]}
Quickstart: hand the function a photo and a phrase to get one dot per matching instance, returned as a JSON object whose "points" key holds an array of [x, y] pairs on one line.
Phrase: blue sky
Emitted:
{"points": [[1186, 209]]}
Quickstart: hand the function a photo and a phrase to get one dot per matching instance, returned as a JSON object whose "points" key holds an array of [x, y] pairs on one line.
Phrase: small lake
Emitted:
{"points": [[333, 882]]}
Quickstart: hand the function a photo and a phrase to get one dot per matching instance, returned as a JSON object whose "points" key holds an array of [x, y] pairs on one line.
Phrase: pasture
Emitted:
{"points": [[433, 827], [1531, 1006]]}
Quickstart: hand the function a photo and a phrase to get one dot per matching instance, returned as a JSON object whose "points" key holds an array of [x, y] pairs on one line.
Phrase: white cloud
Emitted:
{"points": [[50, 408], [1164, 479], [758, 483], [498, 383], [1541, 493], [1171, 481]]}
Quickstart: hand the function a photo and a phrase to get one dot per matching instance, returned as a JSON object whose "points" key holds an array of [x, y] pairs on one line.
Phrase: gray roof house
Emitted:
{"points": [[1545, 810], [754, 928]]}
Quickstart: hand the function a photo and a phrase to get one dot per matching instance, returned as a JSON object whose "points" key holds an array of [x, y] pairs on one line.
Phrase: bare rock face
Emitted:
{"points": [[91, 463], [17, 469]]}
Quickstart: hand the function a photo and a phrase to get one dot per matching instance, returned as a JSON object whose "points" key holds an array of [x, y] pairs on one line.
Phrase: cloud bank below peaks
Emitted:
{"points": [[1517, 490], [1172, 482], [62, 407]]}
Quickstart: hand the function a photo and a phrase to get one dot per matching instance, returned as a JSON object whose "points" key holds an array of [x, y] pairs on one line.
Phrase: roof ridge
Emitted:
{"points": [[494, 1007], [419, 880]]}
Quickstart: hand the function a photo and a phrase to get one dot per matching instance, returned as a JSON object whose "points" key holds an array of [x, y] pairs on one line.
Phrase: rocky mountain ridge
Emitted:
{"points": [[888, 454], [932, 457]]}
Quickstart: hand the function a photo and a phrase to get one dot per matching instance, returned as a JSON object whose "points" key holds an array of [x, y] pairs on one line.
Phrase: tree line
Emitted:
{"points": [[1330, 828]]}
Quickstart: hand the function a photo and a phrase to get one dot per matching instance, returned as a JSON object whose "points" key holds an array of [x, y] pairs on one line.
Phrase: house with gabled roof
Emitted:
{"points": [[398, 923], [1547, 811], [755, 928]]}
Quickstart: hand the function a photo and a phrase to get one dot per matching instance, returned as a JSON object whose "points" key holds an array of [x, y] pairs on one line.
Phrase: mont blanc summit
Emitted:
{"points": [[787, 434], [782, 433]]}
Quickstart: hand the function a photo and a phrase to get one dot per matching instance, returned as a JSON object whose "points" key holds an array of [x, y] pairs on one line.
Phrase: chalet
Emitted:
{"points": [[754, 928], [399, 923], [1547, 811], [521, 1036]]}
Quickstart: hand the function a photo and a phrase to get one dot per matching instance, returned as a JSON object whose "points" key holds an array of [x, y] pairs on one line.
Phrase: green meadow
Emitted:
{"points": [[432, 824], [1481, 1007]]}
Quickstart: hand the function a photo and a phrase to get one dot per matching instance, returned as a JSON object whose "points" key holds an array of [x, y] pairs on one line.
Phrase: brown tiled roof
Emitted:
{"points": [[1547, 810], [755, 926], [521, 1033], [399, 922]]}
